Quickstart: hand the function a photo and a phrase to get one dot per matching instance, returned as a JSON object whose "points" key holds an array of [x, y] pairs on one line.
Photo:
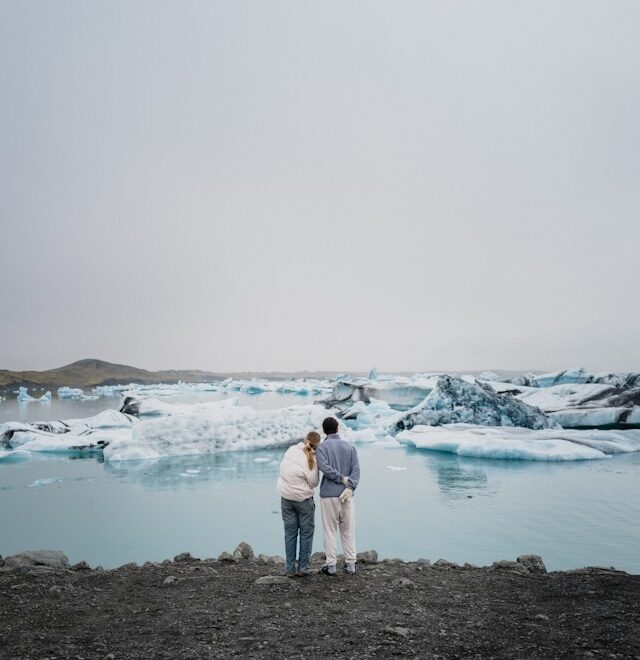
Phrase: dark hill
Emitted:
{"points": [[92, 372]]}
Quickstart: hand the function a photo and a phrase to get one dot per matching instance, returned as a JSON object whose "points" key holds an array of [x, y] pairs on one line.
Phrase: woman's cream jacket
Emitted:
{"points": [[296, 480]]}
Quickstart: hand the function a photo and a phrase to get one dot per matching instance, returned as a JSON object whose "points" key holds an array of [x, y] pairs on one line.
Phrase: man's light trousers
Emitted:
{"points": [[338, 516]]}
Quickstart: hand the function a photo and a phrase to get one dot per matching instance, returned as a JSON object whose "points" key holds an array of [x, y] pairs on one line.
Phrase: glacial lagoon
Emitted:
{"points": [[411, 503]]}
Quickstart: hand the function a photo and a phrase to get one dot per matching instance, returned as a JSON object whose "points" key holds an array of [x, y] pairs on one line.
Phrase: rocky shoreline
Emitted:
{"points": [[242, 606]]}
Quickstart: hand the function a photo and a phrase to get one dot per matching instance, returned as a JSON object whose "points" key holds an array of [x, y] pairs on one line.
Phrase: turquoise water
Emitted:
{"points": [[438, 505]]}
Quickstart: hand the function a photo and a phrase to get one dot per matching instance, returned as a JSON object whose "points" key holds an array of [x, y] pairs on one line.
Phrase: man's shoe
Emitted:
{"points": [[350, 569], [328, 570]]}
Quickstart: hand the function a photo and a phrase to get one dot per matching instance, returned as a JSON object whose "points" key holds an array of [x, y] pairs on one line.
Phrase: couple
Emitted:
{"points": [[338, 462]]}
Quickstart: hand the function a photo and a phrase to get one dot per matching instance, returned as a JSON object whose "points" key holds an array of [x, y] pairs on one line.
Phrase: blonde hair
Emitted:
{"points": [[310, 443]]}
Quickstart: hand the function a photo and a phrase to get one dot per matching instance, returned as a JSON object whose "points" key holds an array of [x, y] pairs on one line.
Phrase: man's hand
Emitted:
{"points": [[346, 495], [345, 481]]}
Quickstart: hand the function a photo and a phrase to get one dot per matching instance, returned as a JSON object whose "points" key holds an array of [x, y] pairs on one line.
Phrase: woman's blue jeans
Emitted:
{"points": [[298, 520]]}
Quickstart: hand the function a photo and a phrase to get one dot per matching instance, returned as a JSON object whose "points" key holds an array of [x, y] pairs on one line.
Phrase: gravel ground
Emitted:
{"points": [[188, 608]]}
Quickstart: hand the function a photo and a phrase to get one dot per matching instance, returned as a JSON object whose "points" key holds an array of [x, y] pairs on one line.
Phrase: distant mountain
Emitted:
{"points": [[90, 372]]}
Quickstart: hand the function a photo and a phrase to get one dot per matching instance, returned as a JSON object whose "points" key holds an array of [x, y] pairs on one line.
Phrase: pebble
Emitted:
{"points": [[274, 579], [405, 583]]}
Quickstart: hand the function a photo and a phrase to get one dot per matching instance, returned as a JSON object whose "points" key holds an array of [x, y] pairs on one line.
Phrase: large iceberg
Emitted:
{"points": [[215, 428], [588, 405], [152, 407], [454, 400], [579, 376], [397, 392], [521, 443], [87, 433]]}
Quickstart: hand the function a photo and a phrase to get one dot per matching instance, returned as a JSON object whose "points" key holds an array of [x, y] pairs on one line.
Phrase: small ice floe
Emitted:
{"points": [[396, 468], [261, 460], [25, 397], [193, 471], [44, 482], [75, 393]]}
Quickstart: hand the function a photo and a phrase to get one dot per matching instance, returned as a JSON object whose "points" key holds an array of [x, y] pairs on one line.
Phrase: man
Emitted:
{"points": [[338, 462]]}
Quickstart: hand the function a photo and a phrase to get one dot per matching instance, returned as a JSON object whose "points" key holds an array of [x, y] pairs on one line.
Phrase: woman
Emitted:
{"points": [[298, 477]]}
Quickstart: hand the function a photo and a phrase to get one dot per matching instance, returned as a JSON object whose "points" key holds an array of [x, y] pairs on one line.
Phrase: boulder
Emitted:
{"points": [[51, 558], [404, 583], [533, 563], [507, 565], [225, 556], [243, 552], [443, 563], [367, 557], [184, 557]]}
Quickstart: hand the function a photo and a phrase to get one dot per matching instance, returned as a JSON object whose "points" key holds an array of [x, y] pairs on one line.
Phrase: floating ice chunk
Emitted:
{"points": [[24, 396], [395, 468], [591, 417], [215, 429], [558, 397], [521, 443], [454, 400], [151, 407], [262, 460], [75, 393], [89, 433], [44, 482], [588, 405], [72, 442], [377, 413], [563, 377], [399, 393], [489, 375]]}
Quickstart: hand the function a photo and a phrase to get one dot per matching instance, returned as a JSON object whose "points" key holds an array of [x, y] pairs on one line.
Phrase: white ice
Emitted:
{"points": [[213, 428], [559, 397], [75, 393], [521, 443]]}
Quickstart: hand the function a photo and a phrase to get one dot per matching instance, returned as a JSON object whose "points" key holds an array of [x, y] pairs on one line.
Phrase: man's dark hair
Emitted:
{"points": [[330, 425]]}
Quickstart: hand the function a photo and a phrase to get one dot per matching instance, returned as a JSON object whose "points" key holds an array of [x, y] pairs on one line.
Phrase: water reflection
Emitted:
{"points": [[457, 478], [188, 472]]}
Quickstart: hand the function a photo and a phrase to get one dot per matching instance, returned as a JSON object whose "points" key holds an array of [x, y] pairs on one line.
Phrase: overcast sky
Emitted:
{"points": [[331, 185]]}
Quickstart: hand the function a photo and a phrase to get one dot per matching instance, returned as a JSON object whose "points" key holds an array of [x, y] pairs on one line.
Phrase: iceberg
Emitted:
{"points": [[215, 428], [521, 443], [152, 407], [398, 393], [75, 393], [454, 400], [587, 405], [66, 435], [580, 376]]}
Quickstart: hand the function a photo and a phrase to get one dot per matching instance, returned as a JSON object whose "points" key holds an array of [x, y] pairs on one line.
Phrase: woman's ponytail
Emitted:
{"points": [[310, 443]]}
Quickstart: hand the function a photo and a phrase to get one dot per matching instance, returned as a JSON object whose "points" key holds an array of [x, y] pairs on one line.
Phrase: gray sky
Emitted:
{"points": [[330, 185]]}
